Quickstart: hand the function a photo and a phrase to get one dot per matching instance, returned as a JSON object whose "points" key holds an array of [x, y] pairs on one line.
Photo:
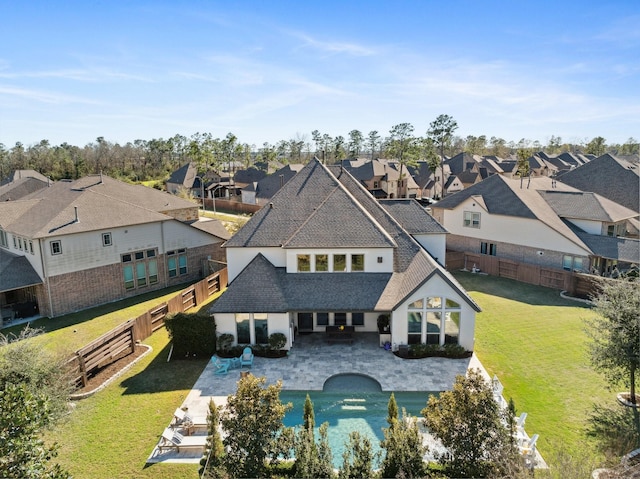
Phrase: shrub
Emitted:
{"points": [[224, 342], [193, 335], [277, 341]]}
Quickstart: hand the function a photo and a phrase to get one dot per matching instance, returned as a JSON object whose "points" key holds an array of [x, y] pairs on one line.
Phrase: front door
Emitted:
{"points": [[305, 322]]}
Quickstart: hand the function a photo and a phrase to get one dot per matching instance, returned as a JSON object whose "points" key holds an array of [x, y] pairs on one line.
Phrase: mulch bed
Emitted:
{"points": [[107, 372]]}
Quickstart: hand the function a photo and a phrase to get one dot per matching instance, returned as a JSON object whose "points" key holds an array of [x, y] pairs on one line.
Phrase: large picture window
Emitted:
{"points": [[261, 328], [243, 328], [304, 263], [322, 262], [433, 320], [357, 262], [339, 262], [139, 269]]}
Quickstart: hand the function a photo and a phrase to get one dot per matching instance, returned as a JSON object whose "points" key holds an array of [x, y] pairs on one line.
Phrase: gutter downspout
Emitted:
{"points": [[46, 276]]}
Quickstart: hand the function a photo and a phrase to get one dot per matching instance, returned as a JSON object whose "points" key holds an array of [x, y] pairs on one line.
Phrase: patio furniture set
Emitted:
{"points": [[223, 365]]}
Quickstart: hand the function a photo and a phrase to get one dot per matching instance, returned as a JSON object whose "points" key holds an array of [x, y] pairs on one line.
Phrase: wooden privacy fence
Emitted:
{"points": [[525, 272], [112, 345]]}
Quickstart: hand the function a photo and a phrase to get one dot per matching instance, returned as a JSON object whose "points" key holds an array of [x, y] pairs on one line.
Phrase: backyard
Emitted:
{"points": [[529, 336]]}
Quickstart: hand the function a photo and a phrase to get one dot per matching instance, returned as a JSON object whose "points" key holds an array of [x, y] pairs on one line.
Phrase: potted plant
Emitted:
{"points": [[383, 324]]}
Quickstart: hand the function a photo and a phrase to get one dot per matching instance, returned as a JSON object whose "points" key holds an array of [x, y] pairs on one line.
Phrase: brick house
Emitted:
{"points": [[77, 244]]}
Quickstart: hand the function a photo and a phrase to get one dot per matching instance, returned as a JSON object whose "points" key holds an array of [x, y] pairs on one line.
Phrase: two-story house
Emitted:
{"points": [[539, 221], [324, 253], [77, 244]]}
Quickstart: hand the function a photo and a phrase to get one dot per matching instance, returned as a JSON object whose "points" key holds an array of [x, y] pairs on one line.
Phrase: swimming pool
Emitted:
{"points": [[363, 411]]}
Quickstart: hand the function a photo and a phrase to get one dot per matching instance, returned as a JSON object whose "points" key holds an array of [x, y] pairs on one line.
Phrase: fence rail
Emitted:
{"points": [[577, 284], [114, 344]]}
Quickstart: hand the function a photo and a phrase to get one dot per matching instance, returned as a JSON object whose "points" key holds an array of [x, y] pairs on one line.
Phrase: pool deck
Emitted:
{"points": [[312, 361]]}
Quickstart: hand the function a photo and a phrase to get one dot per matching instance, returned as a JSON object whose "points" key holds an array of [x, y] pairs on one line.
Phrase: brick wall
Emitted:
{"points": [[521, 254], [84, 289]]}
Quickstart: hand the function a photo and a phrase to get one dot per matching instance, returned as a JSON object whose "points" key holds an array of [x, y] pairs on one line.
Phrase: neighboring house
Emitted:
{"points": [[21, 187], [261, 191], [324, 252], [184, 178], [81, 243], [539, 221], [21, 174], [609, 176], [383, 178]]}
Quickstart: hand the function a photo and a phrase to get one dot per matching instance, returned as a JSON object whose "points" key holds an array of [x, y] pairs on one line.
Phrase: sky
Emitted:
{"points": [[73, 71]]}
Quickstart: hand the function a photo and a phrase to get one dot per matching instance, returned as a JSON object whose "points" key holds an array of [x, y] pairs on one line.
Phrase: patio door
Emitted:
{"points": [[305, 322]]}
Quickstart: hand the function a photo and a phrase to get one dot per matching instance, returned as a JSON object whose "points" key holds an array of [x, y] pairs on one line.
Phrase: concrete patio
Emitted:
{"points": [[311, 362]]}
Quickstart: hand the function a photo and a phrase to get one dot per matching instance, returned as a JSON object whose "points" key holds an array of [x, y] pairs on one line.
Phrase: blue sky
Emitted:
{"points": [[269, 71]]}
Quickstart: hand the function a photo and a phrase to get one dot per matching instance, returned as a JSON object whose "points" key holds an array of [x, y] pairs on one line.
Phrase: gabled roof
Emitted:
{"points": [[323, 207], [101, 202], [302, 214], [613, 178], [211, 226], [247, 176], [20, 188], [516, 197], [269, 185], [586, 206], [462, 161], [412, 217], [21, 174], [16, 272], [185, 175]]}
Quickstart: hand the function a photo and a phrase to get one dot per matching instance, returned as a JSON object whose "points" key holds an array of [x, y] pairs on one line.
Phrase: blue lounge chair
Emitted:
{"points": [[222, 366], [247, 357]]}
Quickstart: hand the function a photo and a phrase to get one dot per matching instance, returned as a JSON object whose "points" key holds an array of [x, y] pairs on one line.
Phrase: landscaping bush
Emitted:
{"points": [[193, 334], [224, 343], [277, 341], [451, 351]]}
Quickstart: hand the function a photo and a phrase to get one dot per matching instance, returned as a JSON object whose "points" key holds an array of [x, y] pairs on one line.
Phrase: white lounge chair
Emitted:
{"points": [[182, 419], [174, 440], [529, 447], [520, 421]]}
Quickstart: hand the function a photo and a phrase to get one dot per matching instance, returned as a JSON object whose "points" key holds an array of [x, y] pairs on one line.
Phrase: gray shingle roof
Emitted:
{"points": [[586, 205], [185, 175], [327, 207], [213, 227], [16, 272], [101, 202], [613, 178], [413, 217], [20, 188], [621, 249], [269, 185]]}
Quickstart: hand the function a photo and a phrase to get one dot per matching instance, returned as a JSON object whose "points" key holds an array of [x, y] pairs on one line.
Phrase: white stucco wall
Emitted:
{"points": [[435, 244], [436, 286], [371, 256], [239, 258]]}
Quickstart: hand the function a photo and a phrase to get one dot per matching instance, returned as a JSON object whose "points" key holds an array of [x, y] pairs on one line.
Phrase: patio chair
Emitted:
{"points": [[174, 440], [520, 421], [182, 419], [222, 367], [529, 448], [247, 357]]}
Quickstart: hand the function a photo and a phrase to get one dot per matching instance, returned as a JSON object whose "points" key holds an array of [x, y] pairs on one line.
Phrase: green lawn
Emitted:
{"points": [[535, 342], [70, 332], [529, 336]]}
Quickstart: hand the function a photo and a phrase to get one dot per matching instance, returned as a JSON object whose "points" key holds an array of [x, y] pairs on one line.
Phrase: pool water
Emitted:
{"points": [[363, 411]]}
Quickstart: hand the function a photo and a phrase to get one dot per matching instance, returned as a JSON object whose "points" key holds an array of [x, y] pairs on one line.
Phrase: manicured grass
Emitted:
{"points": [[70, 332], [534, 341], [111, 434]]}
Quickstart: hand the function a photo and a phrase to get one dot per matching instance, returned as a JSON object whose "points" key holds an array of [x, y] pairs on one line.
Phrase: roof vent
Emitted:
{"points": [[76, 211], [270, 205]]}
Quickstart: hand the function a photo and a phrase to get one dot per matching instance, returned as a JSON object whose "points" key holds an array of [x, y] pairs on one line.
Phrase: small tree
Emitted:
{"points": [[312, 459], [253, 423], [615, 332], [192, 334], [357, 458], [403, 446], [23, 416], [468, 421], [212, 461]]}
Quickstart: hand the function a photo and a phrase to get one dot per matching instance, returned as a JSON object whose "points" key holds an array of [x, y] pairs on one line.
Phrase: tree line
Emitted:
{"points": [[155, 159]]}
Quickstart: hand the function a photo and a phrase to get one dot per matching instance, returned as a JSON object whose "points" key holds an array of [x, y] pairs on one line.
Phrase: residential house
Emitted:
{"points": [[183, 179], [77, 244], [383, 178], [261, 191], [609, 176], [539, 221], [324, 252], [20, 187]]}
